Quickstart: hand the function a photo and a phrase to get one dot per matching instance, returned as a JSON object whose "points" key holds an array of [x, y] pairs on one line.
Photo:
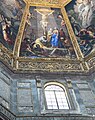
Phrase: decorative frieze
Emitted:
{"points": [[91, 62], [5, 57], [55, 66]]}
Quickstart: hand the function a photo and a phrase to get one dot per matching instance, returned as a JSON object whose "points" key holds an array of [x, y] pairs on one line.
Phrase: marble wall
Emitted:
{"points": [[23, 94]]}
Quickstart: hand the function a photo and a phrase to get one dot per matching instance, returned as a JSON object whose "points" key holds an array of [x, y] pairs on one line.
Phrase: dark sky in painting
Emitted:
{"points": [[70, 5]]}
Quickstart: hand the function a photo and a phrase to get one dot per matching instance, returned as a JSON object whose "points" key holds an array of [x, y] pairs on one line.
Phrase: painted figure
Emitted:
{"points": [[53, 43], [10, 17], [54, 39], [85, 10]]}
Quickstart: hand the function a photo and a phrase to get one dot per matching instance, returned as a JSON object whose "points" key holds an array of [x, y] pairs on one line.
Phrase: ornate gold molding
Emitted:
{"points": [[71, 34], [20, 35], [48, 66], [48, 3], [73, 39], [5, 55]]}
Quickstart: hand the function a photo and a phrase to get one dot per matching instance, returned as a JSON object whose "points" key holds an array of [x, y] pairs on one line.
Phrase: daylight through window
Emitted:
{"points": [[56, 97]]}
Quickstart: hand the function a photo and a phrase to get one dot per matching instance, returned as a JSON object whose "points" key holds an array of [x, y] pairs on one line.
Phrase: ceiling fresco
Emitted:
{"points": [[81, 14], [48, 34], [10, 17], [45, 34]]}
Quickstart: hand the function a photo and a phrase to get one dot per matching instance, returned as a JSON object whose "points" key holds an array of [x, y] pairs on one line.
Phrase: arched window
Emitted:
{"points": [[56, 97]]}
